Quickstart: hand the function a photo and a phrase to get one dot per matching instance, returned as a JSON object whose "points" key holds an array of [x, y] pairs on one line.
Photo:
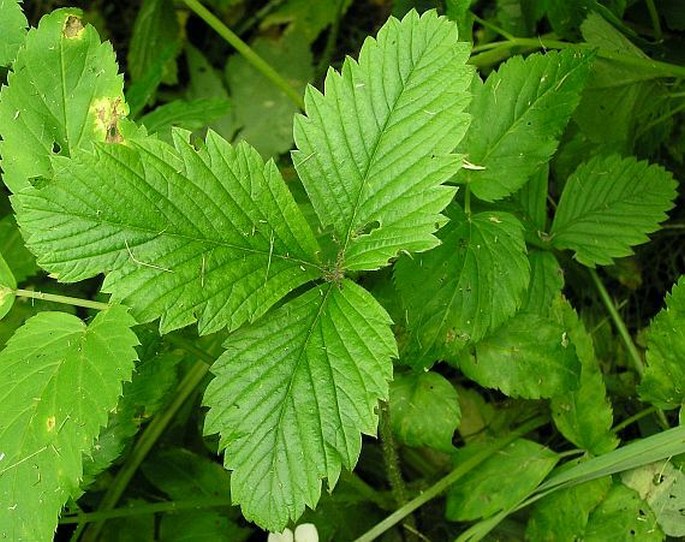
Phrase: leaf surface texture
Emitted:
{"points": [[518, 117], [292, 395], [63, 93], [58, 379], [211, 235], [610, 204], [374, 149]]}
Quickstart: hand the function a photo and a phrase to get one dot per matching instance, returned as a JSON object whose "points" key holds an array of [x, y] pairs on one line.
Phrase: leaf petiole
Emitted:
{"points": [[63, 299]]}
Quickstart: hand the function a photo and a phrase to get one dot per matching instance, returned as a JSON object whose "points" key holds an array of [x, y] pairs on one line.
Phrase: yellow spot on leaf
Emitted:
{"points": [[73, 27], [50, 424]]}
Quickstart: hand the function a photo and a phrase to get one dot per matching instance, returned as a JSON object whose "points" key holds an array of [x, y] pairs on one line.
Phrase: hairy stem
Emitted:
{"points": [[443, 484], [147, 440], [63, 299], [245, 50], [392, 463]]}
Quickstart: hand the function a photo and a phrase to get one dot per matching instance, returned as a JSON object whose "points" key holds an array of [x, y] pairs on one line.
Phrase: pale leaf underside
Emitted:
{"points": [[211, 235], [292, 394], [373, 151], [58, 381]]}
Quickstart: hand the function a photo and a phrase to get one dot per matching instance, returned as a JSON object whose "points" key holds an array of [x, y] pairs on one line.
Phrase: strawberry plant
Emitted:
{"points": [[201, 331]]}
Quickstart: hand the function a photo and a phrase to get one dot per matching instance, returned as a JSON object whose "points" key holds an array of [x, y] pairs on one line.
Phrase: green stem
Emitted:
{"points": [[145, 509], [147, 440], [392, 462], [467, 201], [654, 16], [659, 69], [634, 418], [244, 49], [494, 28], [443, 484], [638, 365], [63, 299]]}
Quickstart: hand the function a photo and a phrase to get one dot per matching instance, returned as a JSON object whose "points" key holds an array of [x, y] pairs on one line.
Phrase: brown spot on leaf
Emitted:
{"points": [[108, 113], [73, 27]]}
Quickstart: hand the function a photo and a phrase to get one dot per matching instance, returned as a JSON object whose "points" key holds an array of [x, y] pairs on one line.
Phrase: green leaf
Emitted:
{"points": [[211, 236], [206, 82], [155, 28], [529, 357], [663, 383], [306, 18], [465, 288], [180, 473], [154, 378], [292, 395], [424, 410], [610, 204], [265, 113], [500, 481], [563, 515], [532, 197], [584, 416], [546, 282], [20, 260], [12, 29], [7, 286], [189, 115], [518, 117], [623, 515], [662, 486], [63, 93], [59, 379], [373, 151]]}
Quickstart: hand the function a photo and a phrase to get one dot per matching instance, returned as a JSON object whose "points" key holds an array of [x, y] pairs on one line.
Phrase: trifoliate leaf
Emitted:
{"points": [[529, 356], [500, 481], [623, 515], [263, 112], [211, 235], [663, 383], [518, 116], [63, 93], [584, 416], [8, 285], [546, 282], [373, 151], [12, 30], [424, 410], [610, 204], [466, 287], [59, 379], [292, 395], [20, 260], [662, 486], [563, 514]]}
